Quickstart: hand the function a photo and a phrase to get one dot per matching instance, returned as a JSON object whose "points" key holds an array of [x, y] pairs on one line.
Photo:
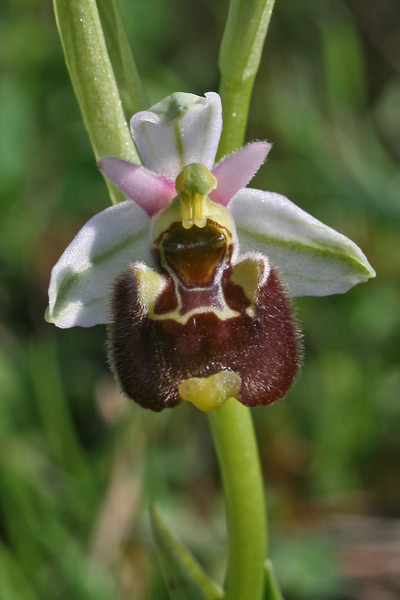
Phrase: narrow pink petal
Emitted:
{"points": [[150, 191], [235, 172]]}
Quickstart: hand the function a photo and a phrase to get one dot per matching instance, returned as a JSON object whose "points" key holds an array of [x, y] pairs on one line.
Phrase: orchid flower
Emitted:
{"points": [[194, 272]]}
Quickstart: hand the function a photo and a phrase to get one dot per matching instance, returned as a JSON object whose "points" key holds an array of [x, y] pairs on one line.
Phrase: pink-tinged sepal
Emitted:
{"points": [[152, 355], [150, 191], [235, 171]]}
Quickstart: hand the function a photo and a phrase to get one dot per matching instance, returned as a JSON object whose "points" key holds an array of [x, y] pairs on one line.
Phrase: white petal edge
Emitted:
{"points": [[312, 258], [81, 281], [180, 130]]}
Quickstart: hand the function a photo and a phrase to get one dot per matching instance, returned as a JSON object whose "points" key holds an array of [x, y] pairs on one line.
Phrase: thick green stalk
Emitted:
{"points": [[236, 100], [236, 447], [94, 82], [239, 60]]}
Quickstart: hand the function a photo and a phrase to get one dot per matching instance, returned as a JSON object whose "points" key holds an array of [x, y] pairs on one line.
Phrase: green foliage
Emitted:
{"points": [[272, 590], [73, 455], [239, 58], [93, 79], [307, 567], [184, 576]]}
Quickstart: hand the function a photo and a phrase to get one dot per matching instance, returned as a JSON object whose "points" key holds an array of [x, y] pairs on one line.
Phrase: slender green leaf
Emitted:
{"points": [[59, 428], [14, 583], [94, 82], [185, 578], [272, 590], [343, 63], [126, 73]]}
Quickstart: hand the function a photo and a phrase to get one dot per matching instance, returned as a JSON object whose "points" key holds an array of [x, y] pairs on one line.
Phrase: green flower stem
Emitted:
{"points": [[94, 82], [236, 447], [239, 59], [235, 103]]}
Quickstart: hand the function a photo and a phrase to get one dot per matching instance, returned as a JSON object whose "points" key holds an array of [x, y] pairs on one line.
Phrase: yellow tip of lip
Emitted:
{"points": [[209, 393]]}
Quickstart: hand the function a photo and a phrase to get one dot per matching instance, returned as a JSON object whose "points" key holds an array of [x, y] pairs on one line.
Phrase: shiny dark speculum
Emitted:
{"points": [[194, 254]]}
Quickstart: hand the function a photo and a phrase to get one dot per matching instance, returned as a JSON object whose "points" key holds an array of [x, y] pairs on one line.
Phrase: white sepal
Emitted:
{"points": [[312, 258], [81, 281], [180, 130]]}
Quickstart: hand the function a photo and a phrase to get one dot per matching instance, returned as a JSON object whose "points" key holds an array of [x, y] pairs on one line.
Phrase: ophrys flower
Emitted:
{"points": [[191, 317]]}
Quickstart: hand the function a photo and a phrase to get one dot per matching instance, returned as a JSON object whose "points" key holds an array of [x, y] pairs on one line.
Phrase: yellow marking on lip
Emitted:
{"points": [[209, 393], [250, 274], [150, 285]]}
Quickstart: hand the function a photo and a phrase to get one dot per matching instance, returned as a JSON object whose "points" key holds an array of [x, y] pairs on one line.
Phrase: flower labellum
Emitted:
{"points": [[202, 314], [190, 318]]}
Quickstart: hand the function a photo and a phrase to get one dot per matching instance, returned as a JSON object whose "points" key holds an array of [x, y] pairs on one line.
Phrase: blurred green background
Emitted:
{"points": [[78, 464]]}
